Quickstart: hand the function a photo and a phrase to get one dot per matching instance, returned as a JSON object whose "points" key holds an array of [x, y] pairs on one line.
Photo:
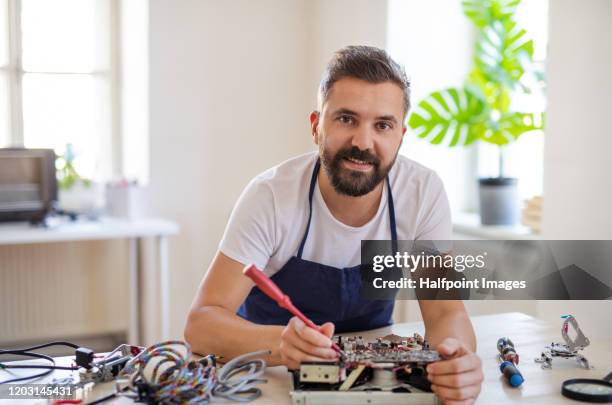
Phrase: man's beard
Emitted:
{"points": [[352, 182]]}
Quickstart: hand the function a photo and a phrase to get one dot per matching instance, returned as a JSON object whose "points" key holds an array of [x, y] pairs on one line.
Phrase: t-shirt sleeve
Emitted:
{"points": [[249, 236], [435, 216]]}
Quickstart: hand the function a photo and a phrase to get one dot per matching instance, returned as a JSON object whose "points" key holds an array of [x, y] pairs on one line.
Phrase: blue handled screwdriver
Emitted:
{"points": [[509, 359]]}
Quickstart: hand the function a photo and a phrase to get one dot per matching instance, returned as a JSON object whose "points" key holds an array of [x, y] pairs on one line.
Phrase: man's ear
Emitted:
{"points": [[403, 136], [314, 126]]}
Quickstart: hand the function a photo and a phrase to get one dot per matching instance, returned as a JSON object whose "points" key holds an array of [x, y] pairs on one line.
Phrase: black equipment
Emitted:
{"points": [[28, 184]]}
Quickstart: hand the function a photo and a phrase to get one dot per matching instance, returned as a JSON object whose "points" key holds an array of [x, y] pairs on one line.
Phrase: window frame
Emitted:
{"points": [[15, 73]]}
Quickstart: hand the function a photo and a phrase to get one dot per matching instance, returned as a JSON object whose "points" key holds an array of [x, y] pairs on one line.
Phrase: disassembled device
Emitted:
{"points": [[509, 361], [389, 370], [568, 350]]}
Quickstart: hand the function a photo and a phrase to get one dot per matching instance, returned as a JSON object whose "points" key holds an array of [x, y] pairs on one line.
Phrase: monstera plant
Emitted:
{"points": [[482, 110]]}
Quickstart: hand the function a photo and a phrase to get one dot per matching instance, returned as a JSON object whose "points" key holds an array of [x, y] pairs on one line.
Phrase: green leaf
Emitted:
{"points": [[483, 12], [512, 125], [502, 51], [453, 115], [494, 93]]}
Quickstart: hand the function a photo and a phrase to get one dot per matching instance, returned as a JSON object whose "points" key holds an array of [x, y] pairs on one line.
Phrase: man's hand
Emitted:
{"points": [[300, 343], [458, 377]]}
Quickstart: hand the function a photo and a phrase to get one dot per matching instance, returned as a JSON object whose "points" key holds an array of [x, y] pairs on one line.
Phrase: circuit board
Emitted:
{"points": [[384, 368], [388, 349]]}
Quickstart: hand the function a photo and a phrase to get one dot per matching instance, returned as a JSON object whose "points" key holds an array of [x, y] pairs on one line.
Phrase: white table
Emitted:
{"points": [[528, 334], [105, 229]]}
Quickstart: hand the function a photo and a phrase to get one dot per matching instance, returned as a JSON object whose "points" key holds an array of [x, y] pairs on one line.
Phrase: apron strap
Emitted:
{"points": [[313, 182], [392, 223]]}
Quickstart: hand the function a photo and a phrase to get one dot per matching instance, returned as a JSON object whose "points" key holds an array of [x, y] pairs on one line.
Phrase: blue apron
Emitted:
{"points": [[323, 293]]}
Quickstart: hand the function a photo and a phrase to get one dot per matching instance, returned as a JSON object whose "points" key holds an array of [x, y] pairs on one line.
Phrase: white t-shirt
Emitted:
{"points": [[270, 217]]}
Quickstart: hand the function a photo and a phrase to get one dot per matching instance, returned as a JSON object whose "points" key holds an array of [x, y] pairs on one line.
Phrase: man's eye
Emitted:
{"points": [[345, 119], [384, 126]]}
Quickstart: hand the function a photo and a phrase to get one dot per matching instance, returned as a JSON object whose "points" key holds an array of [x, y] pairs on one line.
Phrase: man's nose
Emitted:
{"points": [[363, 138]]}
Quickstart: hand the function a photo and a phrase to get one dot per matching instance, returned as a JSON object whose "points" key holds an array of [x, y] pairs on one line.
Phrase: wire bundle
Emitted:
{"points": [[238, 378], [165, 373], [27, 352]]}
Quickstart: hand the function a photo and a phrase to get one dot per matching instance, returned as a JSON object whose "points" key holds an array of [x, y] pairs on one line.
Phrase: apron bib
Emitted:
{"points": [[323, 293]]}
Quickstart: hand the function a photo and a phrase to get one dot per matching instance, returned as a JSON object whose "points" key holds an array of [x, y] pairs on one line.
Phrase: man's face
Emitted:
{"points": [[359, 131]]}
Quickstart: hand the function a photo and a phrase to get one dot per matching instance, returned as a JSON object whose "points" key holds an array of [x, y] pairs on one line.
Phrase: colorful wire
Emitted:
{"points": [[165, 373]]}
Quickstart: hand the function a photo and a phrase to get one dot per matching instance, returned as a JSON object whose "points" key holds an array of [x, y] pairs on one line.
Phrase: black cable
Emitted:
{"points": [[30, 377], [38, 366], [26, 353], [42, 346]]}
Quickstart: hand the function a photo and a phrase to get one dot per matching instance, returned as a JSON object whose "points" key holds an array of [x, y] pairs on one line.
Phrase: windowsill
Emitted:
{"points": [[467, 225]]}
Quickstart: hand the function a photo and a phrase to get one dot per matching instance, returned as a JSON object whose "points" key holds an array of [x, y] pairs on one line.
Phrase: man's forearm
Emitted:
{"points": [[216, 330], [445, 319]]}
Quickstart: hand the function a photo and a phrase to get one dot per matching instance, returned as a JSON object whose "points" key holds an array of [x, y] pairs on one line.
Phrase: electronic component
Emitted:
{"points": [[509, 359], [390, 365], [569, 349], [108, 367], [84, 357], [319, 373]]}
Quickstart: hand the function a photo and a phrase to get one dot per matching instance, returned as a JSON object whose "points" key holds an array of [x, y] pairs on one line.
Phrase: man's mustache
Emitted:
{"points": [[358, 154]]}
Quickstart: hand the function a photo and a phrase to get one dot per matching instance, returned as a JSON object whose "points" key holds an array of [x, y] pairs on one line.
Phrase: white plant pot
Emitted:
{"points": [[82, 199]]}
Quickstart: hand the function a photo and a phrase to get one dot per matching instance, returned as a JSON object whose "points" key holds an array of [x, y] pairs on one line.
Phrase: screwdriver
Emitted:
{"points": [[270, 288], [509, 358]]}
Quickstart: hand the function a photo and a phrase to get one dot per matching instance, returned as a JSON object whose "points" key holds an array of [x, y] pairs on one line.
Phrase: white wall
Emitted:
{"points": [[339, 23], [578, 156], [231, 86], [578, 148]]}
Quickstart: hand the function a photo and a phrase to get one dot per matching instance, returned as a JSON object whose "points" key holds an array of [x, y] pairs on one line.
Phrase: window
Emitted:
{"points": [[434, 40], [524, 159], [58, 79]]}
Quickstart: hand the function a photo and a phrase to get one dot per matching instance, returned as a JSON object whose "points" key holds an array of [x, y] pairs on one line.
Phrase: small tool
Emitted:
{"points": [[270, 288], [589, 390], [509, 359], [575, 341], [506, 350]]}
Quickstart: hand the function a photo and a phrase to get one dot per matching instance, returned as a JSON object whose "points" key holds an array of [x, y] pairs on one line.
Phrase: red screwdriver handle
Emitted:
{"points": [[266, 285], [270, 288]]}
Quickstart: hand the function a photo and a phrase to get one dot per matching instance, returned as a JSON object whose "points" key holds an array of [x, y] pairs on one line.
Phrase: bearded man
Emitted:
{"points": [[303, 221]]}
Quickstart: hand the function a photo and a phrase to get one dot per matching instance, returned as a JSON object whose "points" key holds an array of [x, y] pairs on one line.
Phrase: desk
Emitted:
{"points": [[105, 229], [528, 334]]}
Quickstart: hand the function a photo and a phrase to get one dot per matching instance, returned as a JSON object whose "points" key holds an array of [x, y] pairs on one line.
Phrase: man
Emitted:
{"points": [[302, 222]]}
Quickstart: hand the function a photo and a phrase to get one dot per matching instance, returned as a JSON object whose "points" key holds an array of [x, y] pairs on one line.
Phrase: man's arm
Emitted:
{"points": [[444, 319], [213, 326], [456, 379]]}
